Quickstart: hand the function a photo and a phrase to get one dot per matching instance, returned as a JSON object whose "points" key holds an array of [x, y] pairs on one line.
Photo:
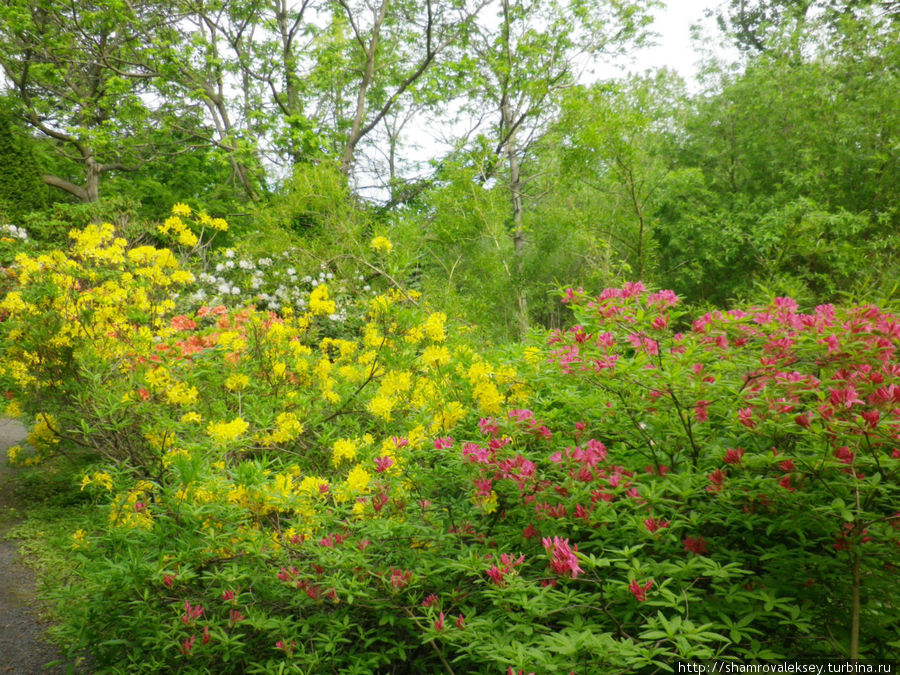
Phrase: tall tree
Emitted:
{"points": [[64, 61], [753, 24], [310, 78], [531, 53], [613, 147], [795, 172]]}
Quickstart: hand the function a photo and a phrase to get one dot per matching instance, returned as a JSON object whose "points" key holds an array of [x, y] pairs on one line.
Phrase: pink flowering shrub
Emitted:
{"points": [[770, 441]]}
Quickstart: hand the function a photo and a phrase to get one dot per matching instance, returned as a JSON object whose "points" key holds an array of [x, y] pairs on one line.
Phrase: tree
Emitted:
{"points": [[525, 60], [753, 24], [613, 142], [21, 186], [299, 81], [790, 174], [70, 67]]}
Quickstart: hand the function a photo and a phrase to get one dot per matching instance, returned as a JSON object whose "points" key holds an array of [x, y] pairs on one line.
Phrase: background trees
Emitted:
{"points": [[317, 115]]}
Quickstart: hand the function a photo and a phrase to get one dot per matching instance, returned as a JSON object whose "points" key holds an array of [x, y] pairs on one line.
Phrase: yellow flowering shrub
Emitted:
{"points": [[228, 434]]}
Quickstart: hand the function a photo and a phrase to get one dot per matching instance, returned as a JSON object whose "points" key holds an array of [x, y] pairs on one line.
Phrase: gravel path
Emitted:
{"points": [[23, 650]]}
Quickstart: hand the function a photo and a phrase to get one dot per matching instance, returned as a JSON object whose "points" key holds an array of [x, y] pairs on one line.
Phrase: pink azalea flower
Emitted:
{"points": [[639, 592], [654, 525], [563, 559], [733, 456], [696, 545], [700, 411], [717, 478]]}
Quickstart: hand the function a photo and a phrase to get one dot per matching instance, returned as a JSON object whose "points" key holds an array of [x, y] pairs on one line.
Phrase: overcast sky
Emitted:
{"points": [[673, 49]]}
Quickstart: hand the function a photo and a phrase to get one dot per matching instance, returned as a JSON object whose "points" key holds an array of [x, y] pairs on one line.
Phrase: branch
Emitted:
{"points": [[69, 187], [118, 166]]}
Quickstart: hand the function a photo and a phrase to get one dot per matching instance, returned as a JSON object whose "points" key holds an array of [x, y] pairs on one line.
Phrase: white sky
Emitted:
{"points": [[674, 48]]}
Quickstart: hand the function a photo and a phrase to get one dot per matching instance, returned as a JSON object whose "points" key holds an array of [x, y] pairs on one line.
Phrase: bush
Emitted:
{"points": [[279, 497]]}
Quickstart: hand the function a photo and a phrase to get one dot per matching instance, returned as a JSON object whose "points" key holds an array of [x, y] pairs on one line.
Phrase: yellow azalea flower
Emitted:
{"points": [[182, 394], [224, 432], [13, 452], [318, 301], [381, 406], [358, 479], [103, 479], [436, 356], [434, 326], [414, 335], [532, 356], [313, 486], [381, 245], [237, 382], [182, 210], [187, 238], [343, 449], [191, 417], [79, 539], [182, 277], [488, 398], [395, 382], [331, 396]]}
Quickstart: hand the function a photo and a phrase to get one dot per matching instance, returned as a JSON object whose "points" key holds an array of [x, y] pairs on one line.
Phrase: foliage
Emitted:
{"points": [[281, 498], [787, 178], [21, 187]]}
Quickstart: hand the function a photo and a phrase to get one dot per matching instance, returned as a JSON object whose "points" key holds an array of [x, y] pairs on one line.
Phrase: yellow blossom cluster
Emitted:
{"points": [[287, 428], [225, 432], [343, 449], [131, 509], [319, 302], [101, 478], [79, 539], [237, 382], [182, 394], [181, 232], [381, 244], [13, 453], [434, 327], [44, 436]]}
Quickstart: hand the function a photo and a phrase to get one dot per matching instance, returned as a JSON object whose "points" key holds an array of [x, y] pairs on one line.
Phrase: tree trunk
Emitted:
{"points": [[518, 235], [87, 193]]}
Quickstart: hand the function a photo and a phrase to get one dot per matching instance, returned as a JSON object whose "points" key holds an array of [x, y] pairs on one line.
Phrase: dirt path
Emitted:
{"points": [[23, 650]]}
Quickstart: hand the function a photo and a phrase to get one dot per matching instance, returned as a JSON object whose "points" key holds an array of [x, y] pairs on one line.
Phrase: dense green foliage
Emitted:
{"points": [[22, 190], [362, 488]]}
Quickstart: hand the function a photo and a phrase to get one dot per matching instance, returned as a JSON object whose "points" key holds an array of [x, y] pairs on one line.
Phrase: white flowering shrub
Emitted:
{"points": [[278, 281]]}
